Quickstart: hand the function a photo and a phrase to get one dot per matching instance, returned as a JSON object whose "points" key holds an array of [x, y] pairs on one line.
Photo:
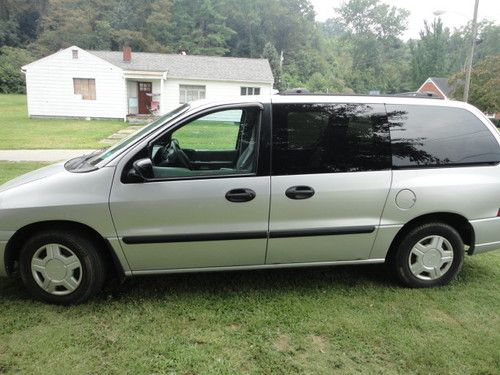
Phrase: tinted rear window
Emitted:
{"points": [[424, 136], [330, 138]]}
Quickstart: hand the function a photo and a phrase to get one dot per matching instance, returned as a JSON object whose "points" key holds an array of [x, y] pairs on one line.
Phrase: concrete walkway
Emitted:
{"points": [[119, 135], [41, 155]]}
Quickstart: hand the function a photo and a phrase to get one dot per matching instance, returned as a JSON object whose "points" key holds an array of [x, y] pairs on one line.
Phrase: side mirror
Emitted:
{"points": [[143, 169]]}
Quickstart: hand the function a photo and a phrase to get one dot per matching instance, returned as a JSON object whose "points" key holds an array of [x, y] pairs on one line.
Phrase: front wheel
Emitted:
{"points": [[429, 255], [61, 267]]}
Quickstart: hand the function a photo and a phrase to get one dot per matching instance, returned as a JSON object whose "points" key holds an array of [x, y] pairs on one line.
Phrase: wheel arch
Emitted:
{"points": [[456, 221], [15, 243]]}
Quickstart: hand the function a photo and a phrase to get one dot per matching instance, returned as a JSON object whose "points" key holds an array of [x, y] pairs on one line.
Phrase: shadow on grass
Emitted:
{"points": [[270, 282]]}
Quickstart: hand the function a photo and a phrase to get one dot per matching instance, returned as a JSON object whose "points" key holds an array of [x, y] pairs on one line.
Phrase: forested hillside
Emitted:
{"points": [[358, 50]]}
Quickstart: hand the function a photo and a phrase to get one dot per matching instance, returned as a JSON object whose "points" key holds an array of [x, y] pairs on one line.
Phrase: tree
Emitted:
{"points": [[20, 20], [272, 56], [372, 17], [371, 37], [429, 54], [484, 90], [199, 27], [320, 83], [11, 60]]}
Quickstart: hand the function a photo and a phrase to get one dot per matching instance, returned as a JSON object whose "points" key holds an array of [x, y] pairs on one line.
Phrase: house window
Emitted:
{"points": [[250, 91], [188, 93], [75, 54], [84, 87]]}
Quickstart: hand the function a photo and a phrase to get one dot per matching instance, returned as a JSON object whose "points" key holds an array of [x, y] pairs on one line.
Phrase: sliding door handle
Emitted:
{"points": [[299, 192], [240, 195]]}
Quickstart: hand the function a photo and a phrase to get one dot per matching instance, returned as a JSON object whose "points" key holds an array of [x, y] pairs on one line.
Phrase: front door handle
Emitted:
{"points": [[299, 192], [240, 195]]}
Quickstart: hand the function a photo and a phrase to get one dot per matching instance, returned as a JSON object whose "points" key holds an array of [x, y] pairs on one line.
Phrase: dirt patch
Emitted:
{"points": [[439, 316], [318, 343], [282, 343]]}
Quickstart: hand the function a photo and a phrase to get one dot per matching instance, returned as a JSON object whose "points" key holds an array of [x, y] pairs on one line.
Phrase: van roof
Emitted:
{"points": [[332, 98]]}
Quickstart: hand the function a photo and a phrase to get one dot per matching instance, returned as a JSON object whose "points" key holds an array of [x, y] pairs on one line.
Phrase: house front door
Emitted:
{"points": [[144, 88]]}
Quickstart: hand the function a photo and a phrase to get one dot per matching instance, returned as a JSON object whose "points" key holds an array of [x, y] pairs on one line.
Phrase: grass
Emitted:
{"points": [[9, 170], [208, 135], [343, 320], [17, 131]]}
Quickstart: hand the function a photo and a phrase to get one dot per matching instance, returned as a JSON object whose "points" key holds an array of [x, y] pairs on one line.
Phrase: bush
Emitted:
{"points": [[11, 60]]}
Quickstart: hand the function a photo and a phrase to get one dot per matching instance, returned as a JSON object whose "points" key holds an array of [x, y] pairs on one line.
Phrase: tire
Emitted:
{"points": [[61, 268], [429, 255]]}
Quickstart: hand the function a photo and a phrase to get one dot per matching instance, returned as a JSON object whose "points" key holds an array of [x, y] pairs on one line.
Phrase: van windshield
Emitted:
{"points": [[107, 153], [88, 162]]}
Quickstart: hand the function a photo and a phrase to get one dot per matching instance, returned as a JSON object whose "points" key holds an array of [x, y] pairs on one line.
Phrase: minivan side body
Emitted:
{"points": [[311, 180]]}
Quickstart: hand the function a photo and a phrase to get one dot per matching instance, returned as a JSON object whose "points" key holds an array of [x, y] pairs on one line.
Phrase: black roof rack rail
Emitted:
{"points": [[305, 92], [296, 91], [417, 94]]}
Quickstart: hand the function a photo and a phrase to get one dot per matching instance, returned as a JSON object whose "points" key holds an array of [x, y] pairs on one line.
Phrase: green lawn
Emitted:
{"points": [[17, 131], [343, 320], [9, 170], [208, 135]]}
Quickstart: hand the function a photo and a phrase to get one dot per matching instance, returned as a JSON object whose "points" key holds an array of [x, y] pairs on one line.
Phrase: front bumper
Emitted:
{"points": [[487, 232]]}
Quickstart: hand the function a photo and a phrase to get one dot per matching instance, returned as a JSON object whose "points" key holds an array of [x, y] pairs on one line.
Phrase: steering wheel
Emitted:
{"points": [[179, 155], [172, 155]]}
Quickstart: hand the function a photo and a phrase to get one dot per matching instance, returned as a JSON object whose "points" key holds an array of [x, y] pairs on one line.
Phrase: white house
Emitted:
{"points": [[106, 84]]}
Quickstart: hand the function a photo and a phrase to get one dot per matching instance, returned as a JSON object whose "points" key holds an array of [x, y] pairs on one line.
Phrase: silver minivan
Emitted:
{"points": [[260, 183]]}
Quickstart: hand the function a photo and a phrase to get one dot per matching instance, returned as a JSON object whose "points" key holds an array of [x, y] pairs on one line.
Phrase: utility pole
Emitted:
{"points": [[471, 54]]}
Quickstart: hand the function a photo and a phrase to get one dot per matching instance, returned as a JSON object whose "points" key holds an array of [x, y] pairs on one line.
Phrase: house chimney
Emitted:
{"points": [[127, 54]]}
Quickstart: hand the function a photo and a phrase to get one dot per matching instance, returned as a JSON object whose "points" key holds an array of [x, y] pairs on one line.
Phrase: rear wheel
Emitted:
{"points": [[61, 267], [429, 255]]}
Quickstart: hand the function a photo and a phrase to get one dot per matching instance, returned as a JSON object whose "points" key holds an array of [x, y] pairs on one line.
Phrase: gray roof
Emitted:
{"points": [[442, 84], [193, 67]]}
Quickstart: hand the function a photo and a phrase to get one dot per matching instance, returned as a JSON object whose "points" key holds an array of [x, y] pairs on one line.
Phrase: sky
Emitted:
{"points": [[458, 12]]}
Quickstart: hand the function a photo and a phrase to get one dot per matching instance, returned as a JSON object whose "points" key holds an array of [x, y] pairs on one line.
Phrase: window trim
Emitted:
{"points": [[246, 88], [185, 121], [192, 86]]}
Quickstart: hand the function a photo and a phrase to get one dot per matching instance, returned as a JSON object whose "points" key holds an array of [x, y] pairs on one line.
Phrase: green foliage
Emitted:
{"points": [[371, 17], [11, 60], [484, 91], [326, 84], [199, 27], [371, 38], [272, 56], [358, 51], [428, 59]]}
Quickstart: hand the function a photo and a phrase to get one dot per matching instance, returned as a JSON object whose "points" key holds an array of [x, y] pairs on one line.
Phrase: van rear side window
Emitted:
{"points": [[427, 136], [330, 138]]}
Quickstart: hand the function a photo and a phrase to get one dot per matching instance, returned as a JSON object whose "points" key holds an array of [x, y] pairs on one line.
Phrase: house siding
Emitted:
{"points": [[50, 92], [214, 90]]}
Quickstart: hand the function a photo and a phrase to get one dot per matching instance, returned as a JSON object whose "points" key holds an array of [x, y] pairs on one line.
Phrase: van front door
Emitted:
{"points": [[331, 174], [207, 204]]}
